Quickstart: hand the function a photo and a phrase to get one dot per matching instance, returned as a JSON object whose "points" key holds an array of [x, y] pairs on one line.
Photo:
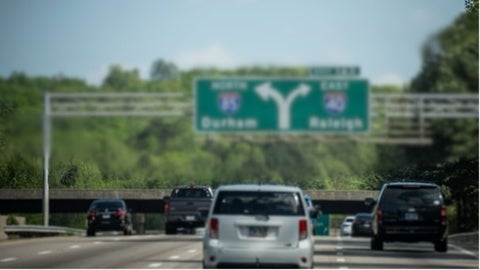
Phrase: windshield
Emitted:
{"points": [[254, 203]]}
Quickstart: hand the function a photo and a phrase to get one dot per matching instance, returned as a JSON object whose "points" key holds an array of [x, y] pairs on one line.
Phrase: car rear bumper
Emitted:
{"points": [[189, 219], [413, 233], [108, 225], [215, 256]]}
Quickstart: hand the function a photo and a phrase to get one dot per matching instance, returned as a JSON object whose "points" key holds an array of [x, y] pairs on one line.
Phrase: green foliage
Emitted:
{"points": [[71, 220], [163, 70], [450, 65], [122, 80], [11, 220], [18, 172]]}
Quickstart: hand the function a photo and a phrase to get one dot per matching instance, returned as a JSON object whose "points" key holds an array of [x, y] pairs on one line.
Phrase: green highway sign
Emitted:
{"points": [[279, 105], [335, 71]]}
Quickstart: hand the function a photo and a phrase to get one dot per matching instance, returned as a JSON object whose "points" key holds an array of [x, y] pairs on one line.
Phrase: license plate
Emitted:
{"points": [[190, 218], [257, 231], [106, 216], [411, 216]]}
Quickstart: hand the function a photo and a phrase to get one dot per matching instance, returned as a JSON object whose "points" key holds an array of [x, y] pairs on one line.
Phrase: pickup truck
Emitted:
{"points": [[187, 207]]}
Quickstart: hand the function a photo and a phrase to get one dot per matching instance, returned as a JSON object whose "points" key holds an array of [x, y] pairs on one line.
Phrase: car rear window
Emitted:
{"points": [[107, 205], [258, 202], [363, 217], [190, 193], [412, 195]]}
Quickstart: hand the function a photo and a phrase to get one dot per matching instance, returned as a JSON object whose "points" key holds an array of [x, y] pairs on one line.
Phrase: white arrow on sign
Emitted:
{"points": [[266, 91]]}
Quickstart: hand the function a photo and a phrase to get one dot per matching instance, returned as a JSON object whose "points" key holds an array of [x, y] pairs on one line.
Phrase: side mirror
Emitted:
{"points": [[369, 201]]}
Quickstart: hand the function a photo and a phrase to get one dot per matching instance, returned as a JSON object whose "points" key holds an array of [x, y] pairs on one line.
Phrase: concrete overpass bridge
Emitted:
{"points": [[152, 200]]}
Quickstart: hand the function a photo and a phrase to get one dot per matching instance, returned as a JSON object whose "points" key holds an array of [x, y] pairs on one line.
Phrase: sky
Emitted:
{"points": [[83, 38]]}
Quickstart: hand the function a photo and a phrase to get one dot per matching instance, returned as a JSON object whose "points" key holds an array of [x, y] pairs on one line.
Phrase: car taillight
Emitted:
{"points": [[443, 214], [302, 229], [379, 214], [213, 228], [92, 213], [120, 213], [167, 207]]}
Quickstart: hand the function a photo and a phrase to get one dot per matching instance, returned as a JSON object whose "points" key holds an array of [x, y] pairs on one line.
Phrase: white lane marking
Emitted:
{"points": [[44, 252], [8, 259], [464, 250], [340, 260], [343, 267], [97, 242], [74, 246], [339, 247], [192, 250], [174, 257], [154, 265]]}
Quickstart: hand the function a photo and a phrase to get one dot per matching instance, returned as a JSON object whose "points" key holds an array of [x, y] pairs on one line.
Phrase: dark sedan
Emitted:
{"points": [[362, 225], [108, 215]]}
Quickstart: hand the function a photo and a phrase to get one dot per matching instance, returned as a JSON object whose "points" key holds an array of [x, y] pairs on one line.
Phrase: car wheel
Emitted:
{"points": [[441, 245], [170, 228], [90, 232], [376, 243]]}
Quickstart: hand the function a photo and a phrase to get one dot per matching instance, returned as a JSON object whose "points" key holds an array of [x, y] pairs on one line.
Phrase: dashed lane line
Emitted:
{"points": [[154, 265], [44, 252], [8, 259]]}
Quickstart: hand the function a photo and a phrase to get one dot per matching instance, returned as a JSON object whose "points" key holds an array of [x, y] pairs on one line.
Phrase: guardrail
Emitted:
{"points": [[39, 230]]}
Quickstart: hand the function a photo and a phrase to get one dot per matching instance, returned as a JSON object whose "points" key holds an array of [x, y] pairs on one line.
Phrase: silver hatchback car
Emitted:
{"points": [[258, 226]]}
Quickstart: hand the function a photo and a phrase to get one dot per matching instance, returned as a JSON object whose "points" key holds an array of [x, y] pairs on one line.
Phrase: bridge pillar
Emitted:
{"points": [[3, 223], [139, 223]]}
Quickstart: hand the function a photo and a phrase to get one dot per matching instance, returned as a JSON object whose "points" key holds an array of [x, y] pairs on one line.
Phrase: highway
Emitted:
{"points": [[185, 252]]}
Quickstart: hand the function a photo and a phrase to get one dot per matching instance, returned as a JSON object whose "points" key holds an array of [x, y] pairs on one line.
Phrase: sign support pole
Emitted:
{"points": [[46, 157]]}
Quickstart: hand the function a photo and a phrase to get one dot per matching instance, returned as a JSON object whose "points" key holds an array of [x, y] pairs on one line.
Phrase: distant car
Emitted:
{"points": [[362, 225], [409, 212], [263, 226], [346, 226], [108, 215]]}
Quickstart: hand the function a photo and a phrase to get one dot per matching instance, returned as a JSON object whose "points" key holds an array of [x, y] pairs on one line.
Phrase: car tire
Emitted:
{"points": [[90, 232], [441, 245], [170, 228], [376, 243]]}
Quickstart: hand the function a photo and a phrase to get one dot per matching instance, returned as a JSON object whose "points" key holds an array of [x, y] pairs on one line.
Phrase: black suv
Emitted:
{"points": [[409, 212], [108, 215]]}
